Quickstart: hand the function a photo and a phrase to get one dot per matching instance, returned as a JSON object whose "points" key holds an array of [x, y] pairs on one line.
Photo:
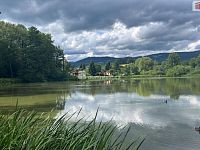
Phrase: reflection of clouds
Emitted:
{"points": [[81, 96], [124, 108], [193, 100]]}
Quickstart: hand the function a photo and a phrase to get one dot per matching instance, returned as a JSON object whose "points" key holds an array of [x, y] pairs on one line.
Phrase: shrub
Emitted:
{"points": [[178, 70]]}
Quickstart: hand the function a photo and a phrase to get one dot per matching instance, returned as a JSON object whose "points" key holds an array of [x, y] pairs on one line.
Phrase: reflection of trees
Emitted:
{"points": [[41, 97], [145, 87], [36, 89], [60, 105], [46, 96], [175, 96]]}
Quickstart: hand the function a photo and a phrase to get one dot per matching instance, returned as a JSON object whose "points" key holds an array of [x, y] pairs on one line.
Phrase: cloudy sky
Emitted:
{"points": [[119, 28]]}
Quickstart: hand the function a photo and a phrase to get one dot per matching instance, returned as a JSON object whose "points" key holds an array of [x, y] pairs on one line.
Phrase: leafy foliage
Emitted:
{"points": [[145, 66], [108, 66], [92, 69], [173, 59], [29, 55], [144, 63], [178, 70]]}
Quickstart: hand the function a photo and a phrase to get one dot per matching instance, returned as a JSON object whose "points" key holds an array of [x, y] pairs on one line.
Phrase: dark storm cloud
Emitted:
{"points": [[95, 14], [163, 25]]}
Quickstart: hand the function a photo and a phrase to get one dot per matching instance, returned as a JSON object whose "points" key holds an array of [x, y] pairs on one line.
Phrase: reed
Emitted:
{"points": [[25, 130]]}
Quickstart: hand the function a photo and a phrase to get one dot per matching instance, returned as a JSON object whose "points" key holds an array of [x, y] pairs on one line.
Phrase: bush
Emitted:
{"points": [[178, 71]]}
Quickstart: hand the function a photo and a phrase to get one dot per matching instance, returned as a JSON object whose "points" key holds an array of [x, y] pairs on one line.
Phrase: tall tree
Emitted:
{"points": [[116, 66], [108, 66], [134, 69], [173, 59], [92, 69], [8, 60], [29, 54], [98, 68], [144, 64], [82, 67]]}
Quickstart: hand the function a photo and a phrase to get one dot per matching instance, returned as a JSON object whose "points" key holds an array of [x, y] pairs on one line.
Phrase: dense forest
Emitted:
{"points": [[30, 55]]}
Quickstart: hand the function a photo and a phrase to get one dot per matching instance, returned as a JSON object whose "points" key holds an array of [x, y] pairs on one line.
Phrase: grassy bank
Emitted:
{"points": [[24, 130], [9, 81], [102, 78]]}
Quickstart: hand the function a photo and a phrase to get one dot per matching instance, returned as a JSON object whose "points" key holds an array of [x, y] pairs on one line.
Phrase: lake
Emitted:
{"points": [[164, 111]]}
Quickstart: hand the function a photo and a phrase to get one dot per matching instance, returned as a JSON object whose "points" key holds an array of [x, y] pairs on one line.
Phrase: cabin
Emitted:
{"points": [[80, 74], [104, 73]]}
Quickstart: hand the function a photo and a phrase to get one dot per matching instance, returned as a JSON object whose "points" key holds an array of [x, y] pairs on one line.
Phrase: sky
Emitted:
{"points": [[115, 28]]}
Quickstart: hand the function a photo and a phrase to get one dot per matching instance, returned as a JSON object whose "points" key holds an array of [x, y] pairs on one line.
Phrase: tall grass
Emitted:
{"points": [[24, 130]]}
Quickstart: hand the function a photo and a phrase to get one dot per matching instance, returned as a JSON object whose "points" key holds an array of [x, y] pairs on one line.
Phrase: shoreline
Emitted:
{"points": [[8, 81]]}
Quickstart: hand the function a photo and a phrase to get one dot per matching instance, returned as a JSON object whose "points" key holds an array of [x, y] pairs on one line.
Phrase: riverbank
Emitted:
{"points": [[8, 81], [25, 130], [96, 78]]}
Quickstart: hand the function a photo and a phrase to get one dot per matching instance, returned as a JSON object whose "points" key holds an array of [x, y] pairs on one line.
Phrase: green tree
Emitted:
{"points": [[92, 69], [193, 62], [82, 67], [127, 70], [159, 70], [108, 66], [178, 71], [29, 54], [116, 66], [134, 69], [8, 60], [98, 68], [173, 59], [144, 64]]}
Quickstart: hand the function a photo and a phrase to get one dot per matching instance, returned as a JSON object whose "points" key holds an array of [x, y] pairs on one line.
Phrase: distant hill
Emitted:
{"points": [[157, 57]]}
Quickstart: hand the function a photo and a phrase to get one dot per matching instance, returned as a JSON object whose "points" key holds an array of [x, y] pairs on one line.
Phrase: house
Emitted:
{"points": [[80, 74], [104, 73], [107, 73]]}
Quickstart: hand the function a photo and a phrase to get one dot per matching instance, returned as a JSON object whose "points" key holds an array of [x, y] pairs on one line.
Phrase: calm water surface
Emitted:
{"points": [[139, 103]]}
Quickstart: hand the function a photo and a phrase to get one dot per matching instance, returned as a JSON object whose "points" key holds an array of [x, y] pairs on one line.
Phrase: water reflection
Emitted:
{"points": [[140, 103], [126, 108], [171, 87]]}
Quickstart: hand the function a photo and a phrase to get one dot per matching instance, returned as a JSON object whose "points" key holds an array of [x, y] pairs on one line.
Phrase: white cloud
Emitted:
{"points": [[148, 111], [119, 40], [194, 46], [102, 41], [142, 27]]}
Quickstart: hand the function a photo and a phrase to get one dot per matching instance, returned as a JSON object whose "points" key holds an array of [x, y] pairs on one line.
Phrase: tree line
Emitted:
{"points": [[172, 67], [30, 55]]}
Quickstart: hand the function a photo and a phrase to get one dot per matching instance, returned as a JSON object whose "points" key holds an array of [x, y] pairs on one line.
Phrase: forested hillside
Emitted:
{"points": [[28, 54], [185, 56]]}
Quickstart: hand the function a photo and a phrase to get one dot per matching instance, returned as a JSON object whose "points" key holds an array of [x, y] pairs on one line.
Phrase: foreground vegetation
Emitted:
{"points": [[25, 130]]}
